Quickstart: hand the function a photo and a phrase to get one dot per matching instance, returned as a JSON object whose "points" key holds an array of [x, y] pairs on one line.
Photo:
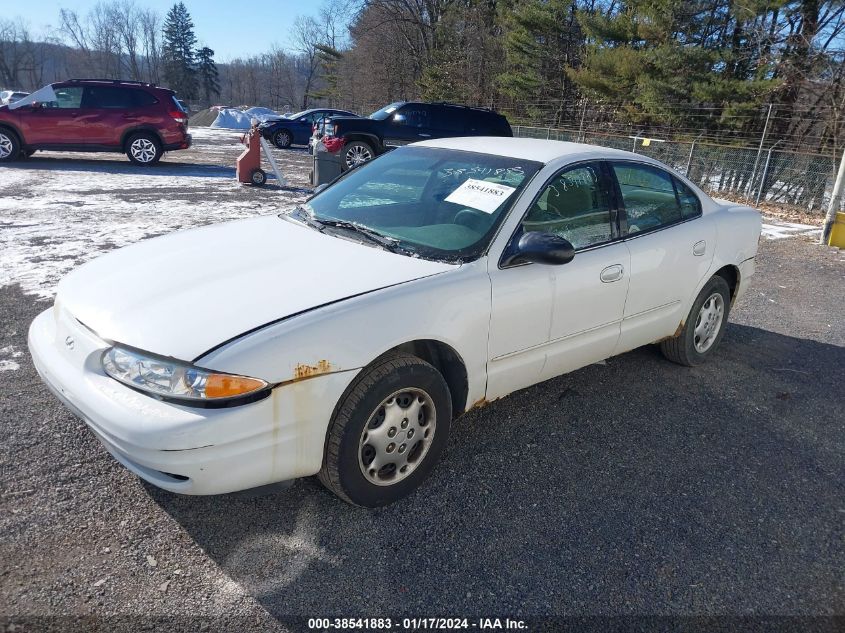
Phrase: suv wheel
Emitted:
{"points": [[357, 153], [143, 149], [9, 146], [282, 139]]}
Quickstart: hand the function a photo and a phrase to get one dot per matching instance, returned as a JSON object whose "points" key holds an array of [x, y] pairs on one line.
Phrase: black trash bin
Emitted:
{"points": [[327, 166]]}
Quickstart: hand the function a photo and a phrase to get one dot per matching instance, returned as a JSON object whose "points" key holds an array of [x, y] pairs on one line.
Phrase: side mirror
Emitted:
{"points": [[541, 248]]}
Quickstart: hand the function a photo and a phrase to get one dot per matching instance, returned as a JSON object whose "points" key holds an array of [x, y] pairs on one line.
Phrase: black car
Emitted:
{"points": [[405, 122], [296, 128]]}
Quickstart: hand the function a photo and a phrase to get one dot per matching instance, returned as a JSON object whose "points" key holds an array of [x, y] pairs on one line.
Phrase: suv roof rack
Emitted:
{"points": [[117, 81], [461, 105]]}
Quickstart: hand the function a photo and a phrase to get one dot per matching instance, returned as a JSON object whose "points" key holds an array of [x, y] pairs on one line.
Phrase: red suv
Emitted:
{"points": [[95, 115]]}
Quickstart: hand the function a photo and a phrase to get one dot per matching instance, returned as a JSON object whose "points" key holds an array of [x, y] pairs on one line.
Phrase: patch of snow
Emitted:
{"points": [[777, 229], [7, 356], [242, 120]]}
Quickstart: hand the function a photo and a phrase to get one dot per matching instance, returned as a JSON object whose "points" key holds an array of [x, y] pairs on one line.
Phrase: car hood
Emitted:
{"points": [[185, 293]]}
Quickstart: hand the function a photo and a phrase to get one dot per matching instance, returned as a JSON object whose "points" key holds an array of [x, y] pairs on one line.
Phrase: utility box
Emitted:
{"points": [[327, 167]]}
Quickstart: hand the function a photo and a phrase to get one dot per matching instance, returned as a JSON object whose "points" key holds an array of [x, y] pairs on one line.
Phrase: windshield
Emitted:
{"points": [[298, 114], [436, 203], [386, 111]]}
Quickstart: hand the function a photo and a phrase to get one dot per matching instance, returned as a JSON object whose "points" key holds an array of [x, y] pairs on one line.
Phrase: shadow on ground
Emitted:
{"points": [[636, 487], [123, 166]]}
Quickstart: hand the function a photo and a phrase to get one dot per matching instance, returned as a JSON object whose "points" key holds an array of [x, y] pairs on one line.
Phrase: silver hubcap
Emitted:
{"points": [[282, 139], [6, 146], [143, 150], [397, 437], [709, 322], [356, 155]]}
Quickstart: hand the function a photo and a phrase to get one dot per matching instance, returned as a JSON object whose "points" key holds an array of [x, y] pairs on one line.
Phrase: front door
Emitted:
{"points": [[548, 320], [409, 124], [56, 122]]}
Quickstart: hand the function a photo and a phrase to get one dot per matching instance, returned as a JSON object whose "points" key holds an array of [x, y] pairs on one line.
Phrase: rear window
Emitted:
{"points": [[142, 98]]}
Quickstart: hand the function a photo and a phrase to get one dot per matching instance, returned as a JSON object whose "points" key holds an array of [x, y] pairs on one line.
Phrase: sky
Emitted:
{"points": [[249, 29]]}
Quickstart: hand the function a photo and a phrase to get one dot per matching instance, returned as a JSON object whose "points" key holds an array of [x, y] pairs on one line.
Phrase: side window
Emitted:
{"points": [[142, 98], [108, 98], [690, 204], [69, 97], [648, 195], [415, 115], [575, 205], [450, 119]]}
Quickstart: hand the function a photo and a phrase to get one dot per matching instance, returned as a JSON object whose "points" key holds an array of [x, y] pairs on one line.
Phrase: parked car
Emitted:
{"points": [[439, 277], [402, 122], [10, 96], [95, 115], [296, 129]]}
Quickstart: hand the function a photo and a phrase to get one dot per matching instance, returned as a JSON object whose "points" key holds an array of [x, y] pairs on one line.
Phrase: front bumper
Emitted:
{"points": [[179, 448]]}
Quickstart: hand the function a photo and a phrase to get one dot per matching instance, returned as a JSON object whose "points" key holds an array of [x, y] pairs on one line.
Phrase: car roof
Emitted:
{"points": [[539, 150]]}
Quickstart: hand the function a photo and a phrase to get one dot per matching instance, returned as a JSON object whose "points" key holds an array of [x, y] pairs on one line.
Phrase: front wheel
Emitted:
{"points": [[704, 326], [9, 146], [388, 432], [357, 153], [282, 139], [144, 149]]}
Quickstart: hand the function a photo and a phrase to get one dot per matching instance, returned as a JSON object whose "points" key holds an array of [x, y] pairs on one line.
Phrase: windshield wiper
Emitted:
{"points": [[389, 243]]}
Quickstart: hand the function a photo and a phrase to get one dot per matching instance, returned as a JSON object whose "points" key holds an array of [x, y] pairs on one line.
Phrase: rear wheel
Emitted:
{"points": [[704, 327], [282, 139], [357, 153], [388, 432], [258, 177], [9, 146], [143, 149]]}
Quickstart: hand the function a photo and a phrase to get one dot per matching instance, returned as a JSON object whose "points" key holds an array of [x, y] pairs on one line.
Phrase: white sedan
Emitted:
{"points": [[342, 338]]}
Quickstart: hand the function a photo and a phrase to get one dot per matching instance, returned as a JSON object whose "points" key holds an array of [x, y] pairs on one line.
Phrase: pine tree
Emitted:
{"points": [[178, 54], [208, 76]]}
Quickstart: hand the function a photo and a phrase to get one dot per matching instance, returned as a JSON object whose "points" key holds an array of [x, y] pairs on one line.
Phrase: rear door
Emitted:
{"points": [[450, 121], [671, 246], [57, 122], [110, 110], [410, 123]]}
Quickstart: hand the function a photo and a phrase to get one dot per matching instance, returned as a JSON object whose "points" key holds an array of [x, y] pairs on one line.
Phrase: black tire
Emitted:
{"points": [[26, 153], [144, 148], [282, 139], [368, 396], [258, 177], [10, 146], [354, 153], [682, 349]]}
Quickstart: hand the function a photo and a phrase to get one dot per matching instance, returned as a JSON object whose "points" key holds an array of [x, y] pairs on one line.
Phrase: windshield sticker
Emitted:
{"points": [[481, 195]]}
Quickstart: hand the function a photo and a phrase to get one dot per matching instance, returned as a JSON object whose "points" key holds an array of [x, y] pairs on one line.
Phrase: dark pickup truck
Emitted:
{"points": [[406, 122]]}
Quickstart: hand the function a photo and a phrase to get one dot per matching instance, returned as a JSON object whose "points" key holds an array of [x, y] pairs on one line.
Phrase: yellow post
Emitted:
{"points": [[837, 231]]}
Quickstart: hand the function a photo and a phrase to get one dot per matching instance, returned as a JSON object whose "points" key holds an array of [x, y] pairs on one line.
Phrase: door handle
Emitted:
{"points": [[699, 248], [425, 135], [612, 273]]}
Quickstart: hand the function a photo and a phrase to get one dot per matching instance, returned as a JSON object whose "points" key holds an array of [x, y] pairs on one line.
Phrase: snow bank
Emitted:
{"points": [[242, 120]]}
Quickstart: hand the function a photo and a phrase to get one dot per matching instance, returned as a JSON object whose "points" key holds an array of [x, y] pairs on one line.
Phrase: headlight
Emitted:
{"points": [[171, 379]]}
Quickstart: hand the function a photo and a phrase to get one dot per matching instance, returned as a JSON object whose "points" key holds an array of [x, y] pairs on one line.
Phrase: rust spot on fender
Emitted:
{"points": [[480, 404], [303, 370]]}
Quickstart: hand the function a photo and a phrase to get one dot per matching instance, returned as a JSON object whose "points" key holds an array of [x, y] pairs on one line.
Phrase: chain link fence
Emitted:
{"points": [[789, 179]]}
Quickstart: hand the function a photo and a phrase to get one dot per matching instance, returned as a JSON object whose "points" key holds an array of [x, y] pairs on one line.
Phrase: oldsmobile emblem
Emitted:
{"points": [[69, 342]]}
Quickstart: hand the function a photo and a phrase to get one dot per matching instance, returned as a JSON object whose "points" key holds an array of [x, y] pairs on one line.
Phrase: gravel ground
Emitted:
{"points": [[634, 487]]}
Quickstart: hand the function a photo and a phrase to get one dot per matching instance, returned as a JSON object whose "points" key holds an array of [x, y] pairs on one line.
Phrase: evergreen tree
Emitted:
{"points": [[178, 54], [208, 76]]}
